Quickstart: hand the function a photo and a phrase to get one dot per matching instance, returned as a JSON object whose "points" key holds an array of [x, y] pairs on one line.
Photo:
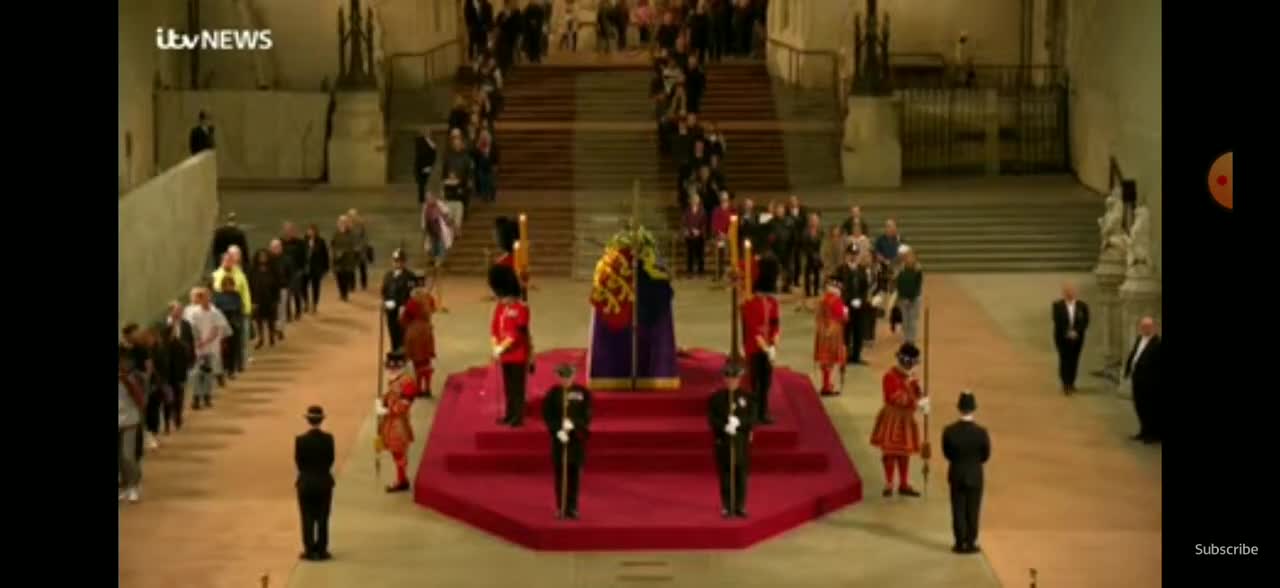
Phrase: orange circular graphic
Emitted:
{"points": [[1220, 180]]}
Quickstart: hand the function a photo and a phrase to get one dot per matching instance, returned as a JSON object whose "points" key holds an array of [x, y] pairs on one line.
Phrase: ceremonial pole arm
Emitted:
{"points": [[926, 451], [377, 397]]}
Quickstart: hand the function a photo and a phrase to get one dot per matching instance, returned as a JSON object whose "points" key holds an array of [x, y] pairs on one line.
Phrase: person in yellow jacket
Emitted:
{"points": [[231, 266]]}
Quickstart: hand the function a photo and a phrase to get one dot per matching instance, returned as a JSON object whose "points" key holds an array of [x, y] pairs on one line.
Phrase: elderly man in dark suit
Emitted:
{"points": [[1142, 368], [1070, 321], [967, 446], [313, 454]]}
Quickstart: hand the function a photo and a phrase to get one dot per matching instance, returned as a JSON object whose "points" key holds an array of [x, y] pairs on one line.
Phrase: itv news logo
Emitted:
{"points": [[216, 40]]}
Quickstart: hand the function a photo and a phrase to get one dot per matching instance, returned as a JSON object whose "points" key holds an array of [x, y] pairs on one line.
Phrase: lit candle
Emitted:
{"points": [[522, 257], [733, 242], [746, 271]]}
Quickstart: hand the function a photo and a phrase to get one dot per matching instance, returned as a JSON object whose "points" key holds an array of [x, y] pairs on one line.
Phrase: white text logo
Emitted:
{"points": [[219, 40]]}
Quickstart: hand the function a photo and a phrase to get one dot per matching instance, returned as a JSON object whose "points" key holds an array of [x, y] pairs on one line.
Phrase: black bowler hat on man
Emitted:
{"points": [[315, 414], [967, 403], [565, 370], [731, 369]]}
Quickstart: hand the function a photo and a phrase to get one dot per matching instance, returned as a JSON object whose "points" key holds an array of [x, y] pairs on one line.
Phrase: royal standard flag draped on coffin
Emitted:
{"points": [[615, 295]]}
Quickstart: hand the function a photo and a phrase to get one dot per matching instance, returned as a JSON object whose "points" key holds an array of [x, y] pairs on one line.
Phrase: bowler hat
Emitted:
{"points": [[315, 413], [731, 369], [968, 403], [564, 370]]}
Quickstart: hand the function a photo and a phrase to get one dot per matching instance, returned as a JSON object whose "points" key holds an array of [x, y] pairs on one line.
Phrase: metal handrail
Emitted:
{"points": [[428, 72], [839, 87]]}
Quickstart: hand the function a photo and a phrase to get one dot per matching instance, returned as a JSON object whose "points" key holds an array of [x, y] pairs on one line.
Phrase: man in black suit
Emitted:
{"points": [[226, 236], [424, 158], [479, 15], [566, 409], [855, 286], [202, 135], [1143, 369], [967, 447], [313, 454], [179, 342], [1070, 321]]}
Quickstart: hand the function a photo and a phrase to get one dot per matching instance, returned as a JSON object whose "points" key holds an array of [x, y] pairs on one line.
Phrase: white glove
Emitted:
{"points": [[567, 425], [379, 409], [734, 422], [730, 429], [876, 300], [857, 303], [390, 304], [497, 351], [923, 405], [563, 436], [773, 353]]}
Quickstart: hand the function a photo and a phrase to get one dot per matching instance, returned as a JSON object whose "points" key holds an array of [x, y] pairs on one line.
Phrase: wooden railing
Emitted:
{"points": [[839, 83], [430, 70]]}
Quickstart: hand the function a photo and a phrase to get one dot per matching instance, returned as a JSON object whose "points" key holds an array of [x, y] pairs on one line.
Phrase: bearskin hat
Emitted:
{"points": [[503, 281], [767, 276], [908, 354], [506, 231]]}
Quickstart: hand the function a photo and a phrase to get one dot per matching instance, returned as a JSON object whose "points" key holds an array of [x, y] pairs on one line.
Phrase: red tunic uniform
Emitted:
{"points": [[395, 431], [419, 339], [828, 337], [760, 319], [896, 432], [511, 322]]}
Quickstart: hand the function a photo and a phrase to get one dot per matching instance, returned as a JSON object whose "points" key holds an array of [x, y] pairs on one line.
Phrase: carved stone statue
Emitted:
{"points": [[1138, 260], [1111, 224]]}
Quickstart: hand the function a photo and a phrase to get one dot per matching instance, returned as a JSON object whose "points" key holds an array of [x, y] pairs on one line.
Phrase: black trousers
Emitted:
{"points": [[966, 502], [722, 262], [364, 272], [812, 276], [393, 328], [575, 477], [477, 39], [513, 377], [313, 281], [794, 264], [1068, 362], [232, 358], [1148, 417], [422, 180], [741, 468], [297, 296], [761, 378], [346, 282], [155, 410], [695, 255], [853, 331], [314, 506], [173, 408]]}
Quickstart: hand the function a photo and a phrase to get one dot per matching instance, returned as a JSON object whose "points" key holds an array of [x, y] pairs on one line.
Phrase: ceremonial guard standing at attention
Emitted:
{"points": [[506, 232], [509, 334], [313, 455], [420, 338], [394, 429], [397, 285], [731, 414], [967, 447], [761, 330], [896, 432], [828, 336], [566, 410]]}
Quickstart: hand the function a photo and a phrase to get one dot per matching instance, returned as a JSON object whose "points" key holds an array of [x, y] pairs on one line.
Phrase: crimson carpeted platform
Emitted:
{"points": [[649, 481]]}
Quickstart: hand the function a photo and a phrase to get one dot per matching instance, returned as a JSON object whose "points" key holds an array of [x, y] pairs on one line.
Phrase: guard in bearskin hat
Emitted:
{"points": [[510, 337], [506, 232], [896, 432], [761, 329]]}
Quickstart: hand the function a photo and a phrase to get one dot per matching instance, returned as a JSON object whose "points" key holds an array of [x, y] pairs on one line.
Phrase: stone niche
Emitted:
{"points": [[357, 149], [871, 153]]}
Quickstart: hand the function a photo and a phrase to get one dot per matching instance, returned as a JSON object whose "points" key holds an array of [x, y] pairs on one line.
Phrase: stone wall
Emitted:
{"points": [[141, 66], [260, 135], [165, 227], [1114, 60]]}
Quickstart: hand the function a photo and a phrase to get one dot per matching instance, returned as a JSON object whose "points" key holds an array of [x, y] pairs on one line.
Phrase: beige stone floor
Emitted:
{"points": [[1067, 495]]}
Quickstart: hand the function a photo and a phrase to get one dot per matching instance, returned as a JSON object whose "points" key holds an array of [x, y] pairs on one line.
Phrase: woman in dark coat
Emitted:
{"points": [[264, 289], [317, 265]]}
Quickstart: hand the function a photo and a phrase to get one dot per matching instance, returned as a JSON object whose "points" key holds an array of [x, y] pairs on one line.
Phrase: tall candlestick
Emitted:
{"points": [[746, 271], [733, 242], [522, 258]]}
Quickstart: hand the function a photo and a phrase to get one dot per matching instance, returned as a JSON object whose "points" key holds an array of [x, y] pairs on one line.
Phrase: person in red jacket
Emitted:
{"points": [[509, 335], [394, 429], [419, 337], [761, 329], [896, 432], [828, 336]]}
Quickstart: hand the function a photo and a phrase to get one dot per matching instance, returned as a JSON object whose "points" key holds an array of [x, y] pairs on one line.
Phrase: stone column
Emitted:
{"points": [[357, 150], [871, 153], [1110, 274]]}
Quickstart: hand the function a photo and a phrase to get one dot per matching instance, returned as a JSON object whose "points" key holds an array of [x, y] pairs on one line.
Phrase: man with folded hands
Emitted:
{"points": [[731, 413], [566, 409]]}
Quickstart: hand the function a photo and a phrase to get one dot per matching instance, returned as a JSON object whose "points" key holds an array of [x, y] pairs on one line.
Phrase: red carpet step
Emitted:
{"points": [[649, 481]]}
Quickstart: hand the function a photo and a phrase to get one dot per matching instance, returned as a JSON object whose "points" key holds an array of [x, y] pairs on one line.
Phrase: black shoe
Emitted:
{"points": [[957, 548], [887, 492], [502, 421], [516, 424], [742, 513], [323, 556], [972, 548], [573, 514], [908, 491], [307, 556], [1151, 441], [1138, 437], [724, 513], [401, 487], [765, 420], [827, 393]]}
